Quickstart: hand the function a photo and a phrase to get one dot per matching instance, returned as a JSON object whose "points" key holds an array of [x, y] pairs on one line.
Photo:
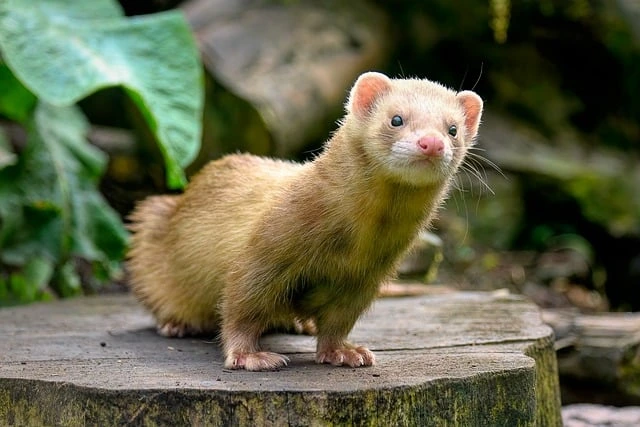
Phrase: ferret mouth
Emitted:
{"points": [[433, 163], [419, 170], [425, 161], [404, 152], [416, 168]]}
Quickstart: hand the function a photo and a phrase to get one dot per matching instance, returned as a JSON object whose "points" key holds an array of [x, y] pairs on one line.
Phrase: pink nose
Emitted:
{"points": [[431, 146]]}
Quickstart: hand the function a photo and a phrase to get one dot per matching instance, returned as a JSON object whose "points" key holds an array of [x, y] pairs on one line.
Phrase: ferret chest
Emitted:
{"points": [[313, 294]]}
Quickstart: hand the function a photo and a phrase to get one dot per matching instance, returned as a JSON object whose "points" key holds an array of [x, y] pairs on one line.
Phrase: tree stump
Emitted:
{"points": [[456, 359]]}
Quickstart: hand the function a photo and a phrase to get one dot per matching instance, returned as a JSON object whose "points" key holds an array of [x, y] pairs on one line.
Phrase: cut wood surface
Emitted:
{"points": [[452, 359]]}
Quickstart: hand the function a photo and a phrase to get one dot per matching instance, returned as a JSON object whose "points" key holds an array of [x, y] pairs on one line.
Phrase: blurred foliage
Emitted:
{"points": [[500, 15], [570, 72], [552, 63], [53, 220], [568, 69]]}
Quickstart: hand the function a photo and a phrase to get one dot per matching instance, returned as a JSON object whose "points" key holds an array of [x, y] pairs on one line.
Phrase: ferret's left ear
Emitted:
{"points": [[472, 105], [366, 91]]}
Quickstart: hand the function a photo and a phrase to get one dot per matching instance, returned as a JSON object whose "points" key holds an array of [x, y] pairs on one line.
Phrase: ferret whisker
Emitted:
{"points": [[402, 75], [463, 180], [464, 77], [313, 151], [474, 173], [460, 201], [458, 185], [478, 166], [479, 76], [470, 166], [484, 160], [471, 169], [470, 174]]}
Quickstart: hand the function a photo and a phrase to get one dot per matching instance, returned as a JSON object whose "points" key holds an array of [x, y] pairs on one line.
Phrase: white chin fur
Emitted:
{"points": [[409, 166], [417, 174]]}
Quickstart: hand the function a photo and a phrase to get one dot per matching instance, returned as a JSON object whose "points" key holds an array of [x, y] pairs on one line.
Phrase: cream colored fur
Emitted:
{"points": [[256, 243]]}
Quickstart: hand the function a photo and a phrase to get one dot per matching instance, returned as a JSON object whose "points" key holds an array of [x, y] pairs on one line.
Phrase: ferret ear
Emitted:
{"points": [[472, 105], [366, 91]]}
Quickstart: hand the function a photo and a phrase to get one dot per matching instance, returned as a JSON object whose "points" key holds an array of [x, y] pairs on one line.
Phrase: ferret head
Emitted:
{"points": [[414, 131]]}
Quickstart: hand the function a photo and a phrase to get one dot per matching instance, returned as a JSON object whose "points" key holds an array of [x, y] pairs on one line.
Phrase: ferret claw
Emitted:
{"points": [[259, 361], [353, 357]]}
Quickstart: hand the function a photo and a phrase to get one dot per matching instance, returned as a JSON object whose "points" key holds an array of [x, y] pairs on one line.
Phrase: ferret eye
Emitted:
{"points": [[396, 121], [453, 130]]}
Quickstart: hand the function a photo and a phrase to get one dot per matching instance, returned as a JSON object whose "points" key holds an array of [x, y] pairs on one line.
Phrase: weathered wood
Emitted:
{"points": [[456, 359], [601, 349], [292, 61]]}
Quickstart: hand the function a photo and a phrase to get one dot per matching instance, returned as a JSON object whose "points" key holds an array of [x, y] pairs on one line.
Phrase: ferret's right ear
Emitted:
{"points": [[366, 91], [472, 105]]}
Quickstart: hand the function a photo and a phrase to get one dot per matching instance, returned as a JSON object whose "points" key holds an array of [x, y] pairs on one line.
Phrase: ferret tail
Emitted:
{"points": [[149, 220], [146, 263]]}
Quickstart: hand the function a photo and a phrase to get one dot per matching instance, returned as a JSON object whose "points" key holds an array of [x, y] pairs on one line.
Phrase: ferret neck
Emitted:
{"points": [[344, 163], [344, 175]]}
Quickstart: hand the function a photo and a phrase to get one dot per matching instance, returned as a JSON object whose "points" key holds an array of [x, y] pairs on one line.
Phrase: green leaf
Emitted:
{"points": [[64, 9], [68, 280], [62, 56], [7, 156], [49, 201], [95, 230], [35, 275], [98, 233], [4, 291], [28, 231], [16, 102]]}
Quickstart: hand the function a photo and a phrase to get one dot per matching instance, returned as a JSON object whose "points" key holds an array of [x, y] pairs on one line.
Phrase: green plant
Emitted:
{"points": [[54, 53]]}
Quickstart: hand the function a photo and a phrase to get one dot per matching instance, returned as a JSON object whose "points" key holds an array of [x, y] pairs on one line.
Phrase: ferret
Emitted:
{"points": [[255, 243]]}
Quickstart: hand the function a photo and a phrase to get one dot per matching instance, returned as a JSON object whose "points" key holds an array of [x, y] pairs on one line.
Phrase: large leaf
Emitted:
{"points": [[49, 200], [28, 285], [16, 102], [63, 51], [7, 156], [64, 9]]}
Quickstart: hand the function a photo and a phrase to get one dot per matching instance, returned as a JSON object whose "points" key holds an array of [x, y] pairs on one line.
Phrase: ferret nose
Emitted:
{"points": [[431, 146]]}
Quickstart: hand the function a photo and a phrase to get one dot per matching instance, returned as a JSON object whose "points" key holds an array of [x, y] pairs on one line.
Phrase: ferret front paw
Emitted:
{"points": [[259, 361], [349, 356]]}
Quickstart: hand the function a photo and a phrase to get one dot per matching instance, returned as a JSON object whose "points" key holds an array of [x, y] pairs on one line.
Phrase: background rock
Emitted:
{"points": [[292, 61], [587, 415]]}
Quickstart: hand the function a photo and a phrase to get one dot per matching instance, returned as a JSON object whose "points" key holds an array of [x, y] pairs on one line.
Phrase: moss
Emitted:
{"points": [[485, 399], [628, 374], [547, 383]]}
